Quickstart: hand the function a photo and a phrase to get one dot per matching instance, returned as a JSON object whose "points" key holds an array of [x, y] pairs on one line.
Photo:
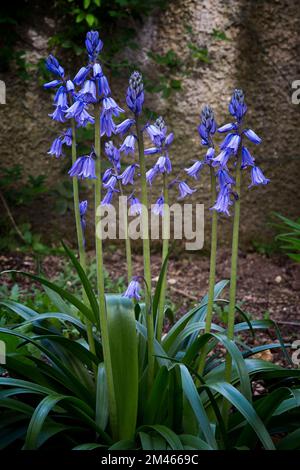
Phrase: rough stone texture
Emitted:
{"points": [[262, 57]]}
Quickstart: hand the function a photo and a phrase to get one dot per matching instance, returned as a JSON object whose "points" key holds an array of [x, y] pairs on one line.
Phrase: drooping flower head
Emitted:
{"points": [[135, 207], [184, 190], [133, 289], [135, 93], [84, 167], [158, 207]]}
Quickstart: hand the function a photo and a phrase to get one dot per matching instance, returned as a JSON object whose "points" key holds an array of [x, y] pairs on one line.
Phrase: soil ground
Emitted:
{"points": [[268, 287]]}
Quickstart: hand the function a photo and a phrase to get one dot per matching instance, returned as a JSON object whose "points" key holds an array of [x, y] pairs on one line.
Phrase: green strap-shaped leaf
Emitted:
{"points": [[246, 409], [192, 395], [62, 292], [169, 436], [124, 358]]}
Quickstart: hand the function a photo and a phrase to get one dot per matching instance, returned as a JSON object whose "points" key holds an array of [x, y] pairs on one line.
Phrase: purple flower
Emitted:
{"points": [[61, 98], [247, 159], [107, 124], [184, 190], [124, 126], [54, 67], [194, 170], [222, 158], [75, 110], [151, 151], [104, 88], [164, 164], [155, 134], [106, 201], [67, 137], [113, 154], [58, 114], [88, 92], [133, 289], [110, 106], [224, 178], [257, 177], [111, 183], [158, 207], [208, 125], [135, 93], [107, 174], [93, 44], [84, 118], [135, 206], [237, 106], [83, 205], [52, 84], [97, 70], [70, 86], [128, 174], [56, 147], [234, 143], [209, 155], [250, 134], [169, 139], [83, 208], [223, 201], [151, 174], [227, 127], [84, 167], [81, 75], [128, 145]]}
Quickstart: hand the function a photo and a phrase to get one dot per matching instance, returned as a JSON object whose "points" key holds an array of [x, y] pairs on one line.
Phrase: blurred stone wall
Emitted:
{"points": [[261, 57]]}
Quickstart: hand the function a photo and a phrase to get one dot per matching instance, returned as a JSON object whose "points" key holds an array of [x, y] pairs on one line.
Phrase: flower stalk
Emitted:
{"points": [[165, 249], [233, 277], [80, 237], [100, 278], [212, 270], [146, 252]]}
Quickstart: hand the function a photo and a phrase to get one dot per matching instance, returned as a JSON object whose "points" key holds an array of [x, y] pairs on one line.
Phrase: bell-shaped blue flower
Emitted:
{"points": [[128, 174], [84, 167], [184, 190], [257, 177], [251, 135], [133, 290], [128, 145], [195, 169]]}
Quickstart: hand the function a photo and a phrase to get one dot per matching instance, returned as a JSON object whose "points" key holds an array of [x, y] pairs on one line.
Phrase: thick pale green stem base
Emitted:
{"points": [[80, 238], [233, 281], [100, 280], [146, 255], [212, 271], [165, 249], [127, 239]]}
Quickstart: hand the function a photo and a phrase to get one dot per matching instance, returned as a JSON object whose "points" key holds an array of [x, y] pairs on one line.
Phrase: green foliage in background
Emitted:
{"points": [[289, 236]]}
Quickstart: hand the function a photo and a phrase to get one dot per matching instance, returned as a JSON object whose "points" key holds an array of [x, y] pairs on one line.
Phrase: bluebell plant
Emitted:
{"points": [[86, 100]]}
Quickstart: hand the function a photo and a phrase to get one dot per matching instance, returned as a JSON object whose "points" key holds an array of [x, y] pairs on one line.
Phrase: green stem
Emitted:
{"points": [[127, 239], [146, 254], [100, 279], [80, 237], [233, 278], [212, 269], [165, 249]]}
